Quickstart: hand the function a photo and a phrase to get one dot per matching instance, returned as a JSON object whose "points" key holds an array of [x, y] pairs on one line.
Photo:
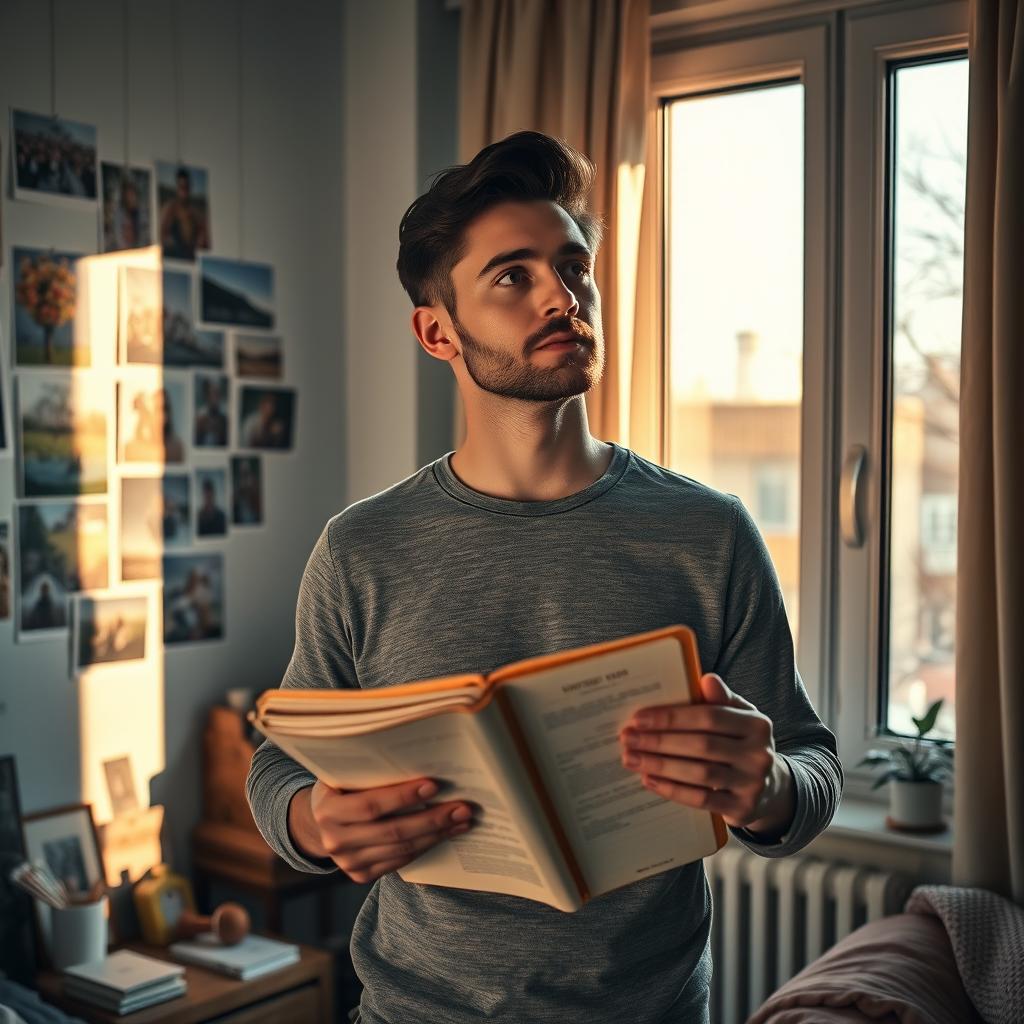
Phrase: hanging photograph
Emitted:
{"points": [[210, 401], [121, 785], [246, 490], [109, 629], [258, 355], [182, 196], [209, 350], [211, 502], [266, 417], [151, 420], [6, 441], [62, 434], [62, 548], [193, 598], [142, 514], [176, 512], [54, 159], [17, 936], [127, 207], [140, 327], [5, 571], [45, 296], [179, 320], [236, 292]]}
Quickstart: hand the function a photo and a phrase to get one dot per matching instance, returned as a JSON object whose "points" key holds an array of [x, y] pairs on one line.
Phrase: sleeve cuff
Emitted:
{"points": [[793, 838], [281, 840]]}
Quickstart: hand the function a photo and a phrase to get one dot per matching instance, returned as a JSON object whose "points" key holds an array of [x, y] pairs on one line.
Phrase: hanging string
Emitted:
{"points": [[125, 59], [178, 86], [53, 60], [241, 154]]}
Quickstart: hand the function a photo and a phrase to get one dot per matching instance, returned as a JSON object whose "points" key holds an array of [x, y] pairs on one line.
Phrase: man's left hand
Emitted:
{"points": [[719, 756]]}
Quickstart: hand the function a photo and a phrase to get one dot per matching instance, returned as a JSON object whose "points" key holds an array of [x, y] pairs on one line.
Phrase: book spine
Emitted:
{"points": [[564, 846]]}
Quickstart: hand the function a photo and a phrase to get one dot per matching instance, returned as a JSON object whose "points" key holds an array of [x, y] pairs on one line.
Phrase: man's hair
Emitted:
{"points": [[521, 167]]}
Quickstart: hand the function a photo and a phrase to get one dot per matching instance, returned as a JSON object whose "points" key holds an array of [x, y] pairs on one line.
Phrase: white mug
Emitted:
{"points": [[78, 933]]}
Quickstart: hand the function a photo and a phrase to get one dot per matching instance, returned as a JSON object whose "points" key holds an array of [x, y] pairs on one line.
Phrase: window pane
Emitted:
{"points": [[735, 226], [927, 231]]}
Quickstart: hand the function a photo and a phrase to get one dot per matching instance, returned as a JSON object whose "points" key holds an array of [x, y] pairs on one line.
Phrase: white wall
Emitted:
{"points": [[291, 140]]}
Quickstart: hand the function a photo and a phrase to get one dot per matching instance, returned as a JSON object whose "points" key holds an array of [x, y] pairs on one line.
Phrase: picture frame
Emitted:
{"points": [[17, 935], [65, 839]]}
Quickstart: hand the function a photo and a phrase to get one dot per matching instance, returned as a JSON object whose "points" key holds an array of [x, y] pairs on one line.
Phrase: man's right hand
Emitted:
{"points": [[362, 833]]}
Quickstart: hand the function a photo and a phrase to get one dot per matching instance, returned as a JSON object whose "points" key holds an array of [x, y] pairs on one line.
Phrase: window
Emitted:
{"points": [[811, 193]]}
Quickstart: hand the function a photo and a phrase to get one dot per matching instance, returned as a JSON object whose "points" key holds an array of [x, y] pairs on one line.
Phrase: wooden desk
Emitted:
{"points": [[302, 993]]}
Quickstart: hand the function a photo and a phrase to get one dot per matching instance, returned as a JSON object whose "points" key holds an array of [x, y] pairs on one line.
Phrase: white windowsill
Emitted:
{"points": [[865, 820]]}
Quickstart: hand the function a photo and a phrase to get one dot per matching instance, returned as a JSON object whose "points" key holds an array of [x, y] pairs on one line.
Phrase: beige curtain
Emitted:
{"points": [[989, 845], [578, 70]]}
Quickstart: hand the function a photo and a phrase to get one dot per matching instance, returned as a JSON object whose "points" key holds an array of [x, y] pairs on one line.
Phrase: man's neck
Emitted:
{"points": [[530, 460]]}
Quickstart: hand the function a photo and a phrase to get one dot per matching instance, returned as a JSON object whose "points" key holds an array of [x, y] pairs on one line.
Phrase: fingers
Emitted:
{"points": [[720, 802], [398, 829], [373, 858], [726, 719], [705, 746], [355, 806]]}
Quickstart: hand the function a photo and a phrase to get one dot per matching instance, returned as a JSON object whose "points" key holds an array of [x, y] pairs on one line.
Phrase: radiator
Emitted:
{"points": [[772, 917]]}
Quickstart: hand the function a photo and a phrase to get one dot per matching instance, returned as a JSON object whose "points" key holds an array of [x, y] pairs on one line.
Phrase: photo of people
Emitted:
{"points": [[62, 548], [5, 571], [246, 490], [211, 502], [140, 331], [66, 862], [45, 303], [5, 404], [150, 421], [54, 159], [121, 785], [236, 292], [142, 513], [176, 510], [210, 401], [266, 417], [183, 201], [193, 598], [109, 629], [62, 422], [127, 207], [258, 355]]}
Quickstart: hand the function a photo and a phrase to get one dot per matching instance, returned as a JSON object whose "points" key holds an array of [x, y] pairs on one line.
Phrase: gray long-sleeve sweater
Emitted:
{"points": [[430, 578]]}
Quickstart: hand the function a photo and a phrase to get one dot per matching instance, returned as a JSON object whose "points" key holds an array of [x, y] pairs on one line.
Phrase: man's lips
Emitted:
{"points": [[564, 336]]}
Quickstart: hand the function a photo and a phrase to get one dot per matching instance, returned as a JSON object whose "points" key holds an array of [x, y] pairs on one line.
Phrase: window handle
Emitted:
{"points": [[850, 524]]}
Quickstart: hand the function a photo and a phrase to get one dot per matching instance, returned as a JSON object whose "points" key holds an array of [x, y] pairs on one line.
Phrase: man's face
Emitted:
{"points": [[507, 308]]}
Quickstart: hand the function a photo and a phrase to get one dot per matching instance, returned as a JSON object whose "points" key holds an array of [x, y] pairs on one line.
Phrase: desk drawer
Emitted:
{"points": [[299, 1006]]}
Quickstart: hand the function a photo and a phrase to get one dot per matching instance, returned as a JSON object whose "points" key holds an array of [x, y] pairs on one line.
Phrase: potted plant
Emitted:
{"points": [[915, 771]]}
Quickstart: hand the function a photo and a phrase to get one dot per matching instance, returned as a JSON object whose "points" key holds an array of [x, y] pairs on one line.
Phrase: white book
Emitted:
{"points": [[124, 972], [253, 953], [148, 996]]}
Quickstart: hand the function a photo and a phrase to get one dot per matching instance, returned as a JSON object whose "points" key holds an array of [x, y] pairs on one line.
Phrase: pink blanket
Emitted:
{"points": [[899, 970]]}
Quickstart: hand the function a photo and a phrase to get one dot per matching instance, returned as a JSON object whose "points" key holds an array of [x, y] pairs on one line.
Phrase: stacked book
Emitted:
{"points": [[125, 982], [250, 958]]}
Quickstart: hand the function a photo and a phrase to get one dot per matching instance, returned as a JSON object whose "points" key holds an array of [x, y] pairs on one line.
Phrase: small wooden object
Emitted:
{"points": [[229, 922]]}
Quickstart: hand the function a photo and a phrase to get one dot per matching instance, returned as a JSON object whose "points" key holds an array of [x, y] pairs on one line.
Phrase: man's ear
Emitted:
{"points": [[433, 334]]}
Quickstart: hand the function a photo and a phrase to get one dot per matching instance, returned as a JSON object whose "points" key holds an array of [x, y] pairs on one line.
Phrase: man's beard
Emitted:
{"points": [[575, 372]]}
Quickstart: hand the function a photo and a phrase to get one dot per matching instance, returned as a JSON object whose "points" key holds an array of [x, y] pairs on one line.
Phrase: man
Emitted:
{"points": [[211, 519], [182, 222], [532, 538], [211, 421]]}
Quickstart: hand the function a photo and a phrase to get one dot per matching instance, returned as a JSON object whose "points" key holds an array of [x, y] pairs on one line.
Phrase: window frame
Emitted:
{"points": [[778, 56], [841, 54], [873, 40]]}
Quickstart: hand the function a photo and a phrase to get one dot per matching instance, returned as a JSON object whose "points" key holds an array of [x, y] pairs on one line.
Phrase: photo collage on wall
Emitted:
{"points": [[136, 449]]}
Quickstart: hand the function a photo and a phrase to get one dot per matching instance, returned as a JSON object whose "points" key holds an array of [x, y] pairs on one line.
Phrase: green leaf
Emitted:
{"points": [[926, 724], [885, 777], [874, 757]]}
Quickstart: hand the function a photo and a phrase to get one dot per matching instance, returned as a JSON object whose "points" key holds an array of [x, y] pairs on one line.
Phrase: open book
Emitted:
{"points": [[535, 745]]}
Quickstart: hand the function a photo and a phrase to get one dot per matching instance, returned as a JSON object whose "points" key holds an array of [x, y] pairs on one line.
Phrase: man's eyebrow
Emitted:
{"points": [[569, 249]]}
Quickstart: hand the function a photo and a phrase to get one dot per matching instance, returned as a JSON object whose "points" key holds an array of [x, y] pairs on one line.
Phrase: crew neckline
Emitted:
{"points": [[445, 476]]}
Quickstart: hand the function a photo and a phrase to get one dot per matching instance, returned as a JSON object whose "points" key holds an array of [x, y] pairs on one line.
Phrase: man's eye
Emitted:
{"points": [[514, 270], [584, 268]]}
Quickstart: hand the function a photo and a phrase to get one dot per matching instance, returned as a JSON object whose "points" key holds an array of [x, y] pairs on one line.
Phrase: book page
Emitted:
{"points": [[571, 715], [508, 850]]}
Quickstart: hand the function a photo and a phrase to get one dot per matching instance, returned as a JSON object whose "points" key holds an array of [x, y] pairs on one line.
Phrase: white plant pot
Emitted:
{"points": [[915, 804]]}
